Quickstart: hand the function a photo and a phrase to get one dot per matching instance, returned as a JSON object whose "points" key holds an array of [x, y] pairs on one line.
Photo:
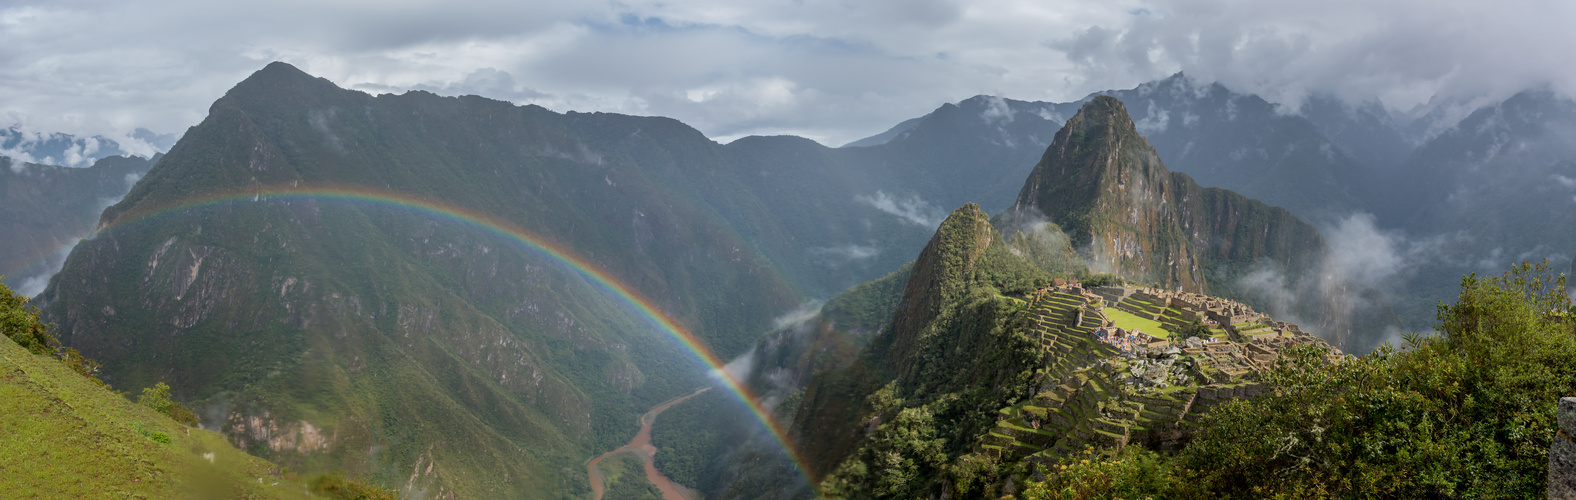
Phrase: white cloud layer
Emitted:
{"points": [[829, 70], [911, 209]]}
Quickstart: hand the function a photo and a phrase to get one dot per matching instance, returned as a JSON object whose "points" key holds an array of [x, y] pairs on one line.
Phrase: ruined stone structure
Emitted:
{"points": [[1093, 392]]}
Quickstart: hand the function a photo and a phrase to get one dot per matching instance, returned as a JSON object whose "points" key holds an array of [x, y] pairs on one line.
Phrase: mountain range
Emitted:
{"points": [[491, 293]]}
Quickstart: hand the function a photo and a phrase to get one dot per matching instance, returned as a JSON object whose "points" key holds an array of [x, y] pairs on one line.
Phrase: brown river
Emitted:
{"points": [[642, 447]]}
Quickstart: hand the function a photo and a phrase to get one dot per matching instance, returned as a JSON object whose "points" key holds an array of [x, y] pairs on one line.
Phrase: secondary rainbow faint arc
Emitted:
{"points": [[531, 241]]}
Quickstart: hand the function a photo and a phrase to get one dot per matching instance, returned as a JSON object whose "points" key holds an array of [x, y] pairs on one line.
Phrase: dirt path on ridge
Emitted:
{"points": [[642, 447]]}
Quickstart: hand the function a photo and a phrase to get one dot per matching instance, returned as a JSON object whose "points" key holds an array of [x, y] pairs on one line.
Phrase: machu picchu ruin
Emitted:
{"points": [[1120, 367]]}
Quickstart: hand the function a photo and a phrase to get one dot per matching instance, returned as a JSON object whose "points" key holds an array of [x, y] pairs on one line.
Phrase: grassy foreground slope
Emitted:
{"points": [[61, 435]]}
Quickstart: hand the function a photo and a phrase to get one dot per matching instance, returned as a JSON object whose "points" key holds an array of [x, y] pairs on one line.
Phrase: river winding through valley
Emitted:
{"points": [[642, 447]]}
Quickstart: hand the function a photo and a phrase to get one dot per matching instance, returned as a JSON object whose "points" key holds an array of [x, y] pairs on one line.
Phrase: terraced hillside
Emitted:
{"points": [[1090, 392]]}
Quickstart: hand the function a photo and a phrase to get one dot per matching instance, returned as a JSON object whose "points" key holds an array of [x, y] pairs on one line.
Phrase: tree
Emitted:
{"points": [[20, 323], [1468, 412], [1194, 329], [158, 398]]}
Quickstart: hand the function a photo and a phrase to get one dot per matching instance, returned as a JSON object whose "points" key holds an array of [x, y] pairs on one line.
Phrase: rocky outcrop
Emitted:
{"points": [[1562, 453]]}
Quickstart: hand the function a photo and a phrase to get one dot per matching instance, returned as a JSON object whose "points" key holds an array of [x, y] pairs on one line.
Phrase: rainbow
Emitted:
{"points": [[537, 244]]}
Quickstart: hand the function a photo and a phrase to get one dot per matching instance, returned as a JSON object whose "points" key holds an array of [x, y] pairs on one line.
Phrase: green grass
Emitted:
{"points": [[1129, 321], [62, 436]]}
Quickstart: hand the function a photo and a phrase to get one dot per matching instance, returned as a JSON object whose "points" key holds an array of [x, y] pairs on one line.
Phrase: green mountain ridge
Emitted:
{"points": [[327, 335]]}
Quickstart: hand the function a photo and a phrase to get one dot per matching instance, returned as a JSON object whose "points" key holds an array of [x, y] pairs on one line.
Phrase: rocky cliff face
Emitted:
{"points": [[1562, 453], [1102, 182]]}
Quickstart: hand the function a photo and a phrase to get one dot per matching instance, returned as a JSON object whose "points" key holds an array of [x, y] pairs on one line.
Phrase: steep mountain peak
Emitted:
{"points": [[1091, 155], [277, 82], [941, 273], [1102, 114], [278, 72], [1105, 185]]}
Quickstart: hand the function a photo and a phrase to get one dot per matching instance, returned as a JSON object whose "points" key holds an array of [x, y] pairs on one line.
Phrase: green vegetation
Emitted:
{"points": [[625, 475], [65, 435], [1130, 321], [1195, 328], [868, 305], [338, 487], [930, 405], [158, 398], [1102, 279], [1133, 472], [712, 444], [1466, 413], [690, 436], [412, 334], [20, 323]]}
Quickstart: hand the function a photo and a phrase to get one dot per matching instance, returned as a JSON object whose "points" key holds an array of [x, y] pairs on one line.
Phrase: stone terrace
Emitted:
{"points": [[1093, 394]]}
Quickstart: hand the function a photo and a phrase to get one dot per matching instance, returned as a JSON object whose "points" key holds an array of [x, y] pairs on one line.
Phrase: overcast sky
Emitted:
{"points": [[830, 70]]}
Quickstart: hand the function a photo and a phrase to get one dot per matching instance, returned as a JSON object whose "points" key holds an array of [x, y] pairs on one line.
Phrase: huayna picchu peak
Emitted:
{"points": [[1102, 182]]}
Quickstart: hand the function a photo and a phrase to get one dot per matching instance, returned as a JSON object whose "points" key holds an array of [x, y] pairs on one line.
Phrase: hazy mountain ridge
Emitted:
{"points": [[44, 209], [72, 151]]}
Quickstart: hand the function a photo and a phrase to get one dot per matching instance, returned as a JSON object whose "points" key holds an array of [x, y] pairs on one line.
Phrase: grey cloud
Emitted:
{"points": [[37, 275], [830, 70], [1402, 52], [1338, 299], [800, 314]]}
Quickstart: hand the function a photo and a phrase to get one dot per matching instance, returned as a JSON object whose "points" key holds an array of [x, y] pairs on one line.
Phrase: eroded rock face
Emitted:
{"points": [[1570, 280], [1562, 453]]}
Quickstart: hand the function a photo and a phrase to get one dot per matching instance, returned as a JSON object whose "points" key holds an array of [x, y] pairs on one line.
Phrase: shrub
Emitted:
{"points": [[337, 487], [1133, 473], [20, 323], [158, 398]]}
